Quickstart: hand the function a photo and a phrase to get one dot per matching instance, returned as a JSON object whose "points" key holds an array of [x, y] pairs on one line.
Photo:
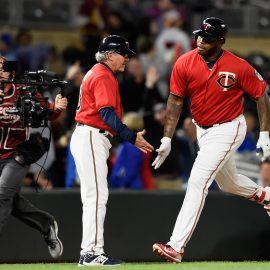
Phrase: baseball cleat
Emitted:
{"points": [[99, 260], [55, 246], [168, 253], [81, 259], [267, 206]]}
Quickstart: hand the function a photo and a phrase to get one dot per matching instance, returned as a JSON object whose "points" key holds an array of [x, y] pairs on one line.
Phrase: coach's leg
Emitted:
{"points": [[91, 151]]}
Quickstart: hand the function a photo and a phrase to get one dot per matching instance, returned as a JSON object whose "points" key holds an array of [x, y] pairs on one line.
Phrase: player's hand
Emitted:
{"points": [[142, 144], [264, 144], [163, 151], [60, 103]]}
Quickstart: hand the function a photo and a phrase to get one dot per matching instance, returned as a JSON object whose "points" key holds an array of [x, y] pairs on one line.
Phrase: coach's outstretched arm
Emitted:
{"points": [[173, 111], [112, 120], [263, 108]]}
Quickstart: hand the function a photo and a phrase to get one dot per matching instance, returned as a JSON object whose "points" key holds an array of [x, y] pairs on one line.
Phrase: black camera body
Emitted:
{"points": [[33, 109], [31, 112]]}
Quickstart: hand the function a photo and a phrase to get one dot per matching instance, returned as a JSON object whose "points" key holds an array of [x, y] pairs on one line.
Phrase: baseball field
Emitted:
{"points": [[147, 266]]}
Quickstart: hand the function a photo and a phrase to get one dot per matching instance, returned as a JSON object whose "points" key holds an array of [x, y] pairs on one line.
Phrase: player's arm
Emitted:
{"points": [[173, 111], [112, 120], [263, 109]]}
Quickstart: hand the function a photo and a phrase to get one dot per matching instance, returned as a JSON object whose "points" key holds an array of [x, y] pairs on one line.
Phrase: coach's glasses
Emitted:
{"points": [[125, 55]]}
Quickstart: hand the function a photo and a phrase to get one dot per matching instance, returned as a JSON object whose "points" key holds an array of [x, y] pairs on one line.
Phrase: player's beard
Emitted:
{"points": [[209, 53]]}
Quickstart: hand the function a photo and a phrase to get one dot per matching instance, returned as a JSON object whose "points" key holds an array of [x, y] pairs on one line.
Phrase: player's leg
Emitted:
{"points": [[90, 151], [216, 147], [231, 182]]}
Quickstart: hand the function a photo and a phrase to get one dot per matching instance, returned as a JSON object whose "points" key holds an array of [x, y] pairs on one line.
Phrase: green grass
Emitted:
{"points": [[146, 266]]}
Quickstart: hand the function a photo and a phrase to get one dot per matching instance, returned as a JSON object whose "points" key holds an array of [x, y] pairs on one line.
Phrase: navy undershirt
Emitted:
{"points": [[112, 120], [210, 64]]}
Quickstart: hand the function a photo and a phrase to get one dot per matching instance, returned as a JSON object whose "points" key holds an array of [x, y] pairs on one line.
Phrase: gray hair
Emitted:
{"points": [[101, 56]]}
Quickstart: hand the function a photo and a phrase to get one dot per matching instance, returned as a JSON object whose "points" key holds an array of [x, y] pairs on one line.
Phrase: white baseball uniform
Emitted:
{"points": [[217, 108]]}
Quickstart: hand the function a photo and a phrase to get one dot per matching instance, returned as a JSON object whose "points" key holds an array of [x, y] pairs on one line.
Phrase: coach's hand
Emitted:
{"points": [[142, 144], [264, 143], [60, 103], [163, 151]]}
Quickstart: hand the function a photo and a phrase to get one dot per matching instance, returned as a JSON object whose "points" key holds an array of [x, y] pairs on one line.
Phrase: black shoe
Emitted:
{"points": [[102, 259], [54, 244]]}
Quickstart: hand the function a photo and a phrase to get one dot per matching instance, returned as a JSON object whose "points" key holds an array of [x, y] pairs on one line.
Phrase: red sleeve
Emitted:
{"points": [[178, 79], [55, 114], [104, 92], [146, 173], [252, 82]]}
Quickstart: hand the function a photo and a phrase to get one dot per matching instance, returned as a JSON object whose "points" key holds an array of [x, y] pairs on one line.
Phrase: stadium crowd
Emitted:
{"points": [[159, 32]]}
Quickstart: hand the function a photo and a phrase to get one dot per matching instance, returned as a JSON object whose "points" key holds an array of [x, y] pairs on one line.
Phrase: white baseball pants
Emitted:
{"points": [[90, 150], [215, 160]]}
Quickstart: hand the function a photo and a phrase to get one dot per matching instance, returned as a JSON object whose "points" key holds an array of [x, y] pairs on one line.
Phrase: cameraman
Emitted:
{"points": [[12, 172]]}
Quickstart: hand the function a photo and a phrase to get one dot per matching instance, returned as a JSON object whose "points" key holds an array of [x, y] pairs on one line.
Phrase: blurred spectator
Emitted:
{"points": [[31, 57], [74, 75], [42, 169], [156, 12], [132, 168], [188, 148], [54, 61], [7, 47], [71, 55], [93, 14], [39, 182], [138, 92], [170, 44], [261, 62], [246, 158], [249, 143], [71, 178], [146, 53], [264, 168], [61, 141], [118, 25]]}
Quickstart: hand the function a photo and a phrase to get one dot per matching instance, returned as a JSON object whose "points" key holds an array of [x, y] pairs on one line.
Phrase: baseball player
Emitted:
{"points": [[98, 120], [215, 80]]}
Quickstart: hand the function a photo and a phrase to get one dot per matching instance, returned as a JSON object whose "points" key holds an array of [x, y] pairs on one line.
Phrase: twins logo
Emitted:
{"points": [[227, 80], [207, 26]]}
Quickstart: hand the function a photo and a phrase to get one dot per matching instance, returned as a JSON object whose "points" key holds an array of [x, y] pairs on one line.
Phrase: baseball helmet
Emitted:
{"points": [[212, 29], [117, 44]]}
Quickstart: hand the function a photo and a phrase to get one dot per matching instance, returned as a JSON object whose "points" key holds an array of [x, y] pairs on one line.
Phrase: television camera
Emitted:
{"points": [[32, 108]]}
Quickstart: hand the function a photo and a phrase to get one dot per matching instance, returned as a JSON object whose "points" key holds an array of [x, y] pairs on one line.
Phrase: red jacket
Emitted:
{"points": [[11, 134]]}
